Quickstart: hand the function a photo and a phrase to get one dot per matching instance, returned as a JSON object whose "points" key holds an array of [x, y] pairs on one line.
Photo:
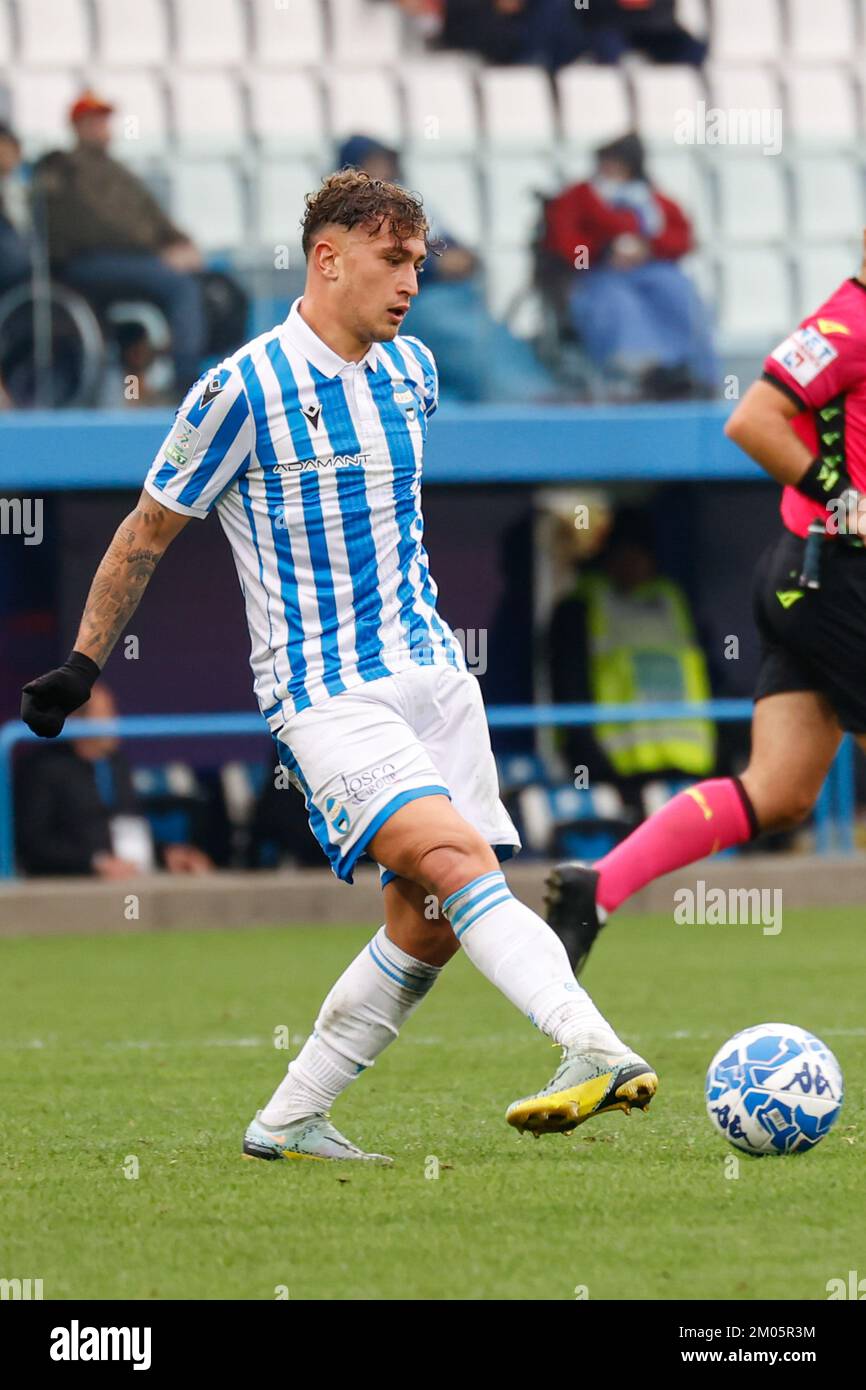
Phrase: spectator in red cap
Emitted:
{"points": [[109, 238]]}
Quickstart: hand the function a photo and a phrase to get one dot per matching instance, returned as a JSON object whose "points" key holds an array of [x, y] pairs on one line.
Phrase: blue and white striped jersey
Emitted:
{"points": [[314, 467]]}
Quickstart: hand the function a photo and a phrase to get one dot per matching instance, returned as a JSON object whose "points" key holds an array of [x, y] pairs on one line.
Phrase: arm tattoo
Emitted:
{"points": [[121, 579]]}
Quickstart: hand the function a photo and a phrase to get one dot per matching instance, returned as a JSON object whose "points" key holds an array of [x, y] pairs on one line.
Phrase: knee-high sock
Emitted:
{"points": [[362, 1014], [518, 952], [699, 821]]}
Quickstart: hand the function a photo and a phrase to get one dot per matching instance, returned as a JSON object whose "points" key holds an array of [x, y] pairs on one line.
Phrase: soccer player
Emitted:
{"points": [[805, 423], [308, 441]]}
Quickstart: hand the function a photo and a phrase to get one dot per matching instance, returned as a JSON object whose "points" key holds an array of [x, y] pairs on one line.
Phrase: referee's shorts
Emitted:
{"points": [[817, 640]]}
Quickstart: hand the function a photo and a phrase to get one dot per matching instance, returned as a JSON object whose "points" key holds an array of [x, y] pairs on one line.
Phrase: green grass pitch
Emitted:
{"points": [[158, 1049]]}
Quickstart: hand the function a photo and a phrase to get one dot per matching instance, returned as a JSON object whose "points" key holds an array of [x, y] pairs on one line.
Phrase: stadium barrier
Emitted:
{"points": [[52, 450], [834, 812]]}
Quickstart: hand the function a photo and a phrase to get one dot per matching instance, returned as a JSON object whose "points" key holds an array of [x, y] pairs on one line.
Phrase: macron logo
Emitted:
{"points": [[77, 1343]]}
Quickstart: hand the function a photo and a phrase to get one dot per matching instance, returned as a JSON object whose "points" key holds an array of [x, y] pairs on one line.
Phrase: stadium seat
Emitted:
{"points": [[821, 33], [744, 31], [753, 198], [700, 268], [210, 33], [513, 207], [820, 270], [207, 201], [280, 187], [517, 109], [140, 127], [288, 33], [40, 109], [53, 33], [593, 104], [516, 770], [738, 88], [6, 44], [365, 33], [287, 112], [828, 197], [563, 819], [511, 296], [756, 304], [661, 95], [451, 194], [363, 102], [821, 108], [208, 113], [441, 107], [131, 32], [682, 176], [692, 15]]}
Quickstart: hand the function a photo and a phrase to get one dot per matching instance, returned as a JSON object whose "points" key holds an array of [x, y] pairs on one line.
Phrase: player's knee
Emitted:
{"points": [[779, 807], [446, 861]]}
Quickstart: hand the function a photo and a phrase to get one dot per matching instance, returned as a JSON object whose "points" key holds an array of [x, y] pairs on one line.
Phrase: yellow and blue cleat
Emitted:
{"points": [[586, 1084], [313, 1137]]}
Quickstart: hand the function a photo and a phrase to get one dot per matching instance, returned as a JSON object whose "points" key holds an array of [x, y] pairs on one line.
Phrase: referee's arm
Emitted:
{"points": [[761, 426]]}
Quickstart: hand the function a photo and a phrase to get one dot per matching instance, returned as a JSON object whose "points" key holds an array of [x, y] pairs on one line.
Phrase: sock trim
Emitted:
{"points": [[401, 976], [487, 907], [401, 960], [751, 815], [473, 883]]}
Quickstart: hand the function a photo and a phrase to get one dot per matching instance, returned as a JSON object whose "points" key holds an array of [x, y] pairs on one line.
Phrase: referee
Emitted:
{"points": [[804, 422]]}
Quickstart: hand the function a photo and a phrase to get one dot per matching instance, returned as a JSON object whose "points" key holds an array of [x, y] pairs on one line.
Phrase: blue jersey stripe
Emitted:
{"points": [[415, 628], [357, 528], [216, 452], [425, 361], [314, 521], [279, 535], [244, 489], [409, 516]]}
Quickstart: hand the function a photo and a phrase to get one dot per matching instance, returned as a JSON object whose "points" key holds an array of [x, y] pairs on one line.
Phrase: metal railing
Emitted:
{"points": [[834, 811]]}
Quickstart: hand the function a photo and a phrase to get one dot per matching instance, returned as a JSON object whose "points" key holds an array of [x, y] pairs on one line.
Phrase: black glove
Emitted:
{"points": [[47, 701]]}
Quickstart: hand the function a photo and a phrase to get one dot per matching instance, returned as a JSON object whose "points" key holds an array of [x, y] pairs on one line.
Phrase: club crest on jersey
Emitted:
{"points": [[405, 397], [312, 414]]}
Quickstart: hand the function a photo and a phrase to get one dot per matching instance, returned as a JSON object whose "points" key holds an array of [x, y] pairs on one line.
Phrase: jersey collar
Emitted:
{"points": [[323, 358]]}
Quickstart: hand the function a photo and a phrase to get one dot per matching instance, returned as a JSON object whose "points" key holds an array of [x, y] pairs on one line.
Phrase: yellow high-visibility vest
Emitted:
{"points": [[643, 647]]}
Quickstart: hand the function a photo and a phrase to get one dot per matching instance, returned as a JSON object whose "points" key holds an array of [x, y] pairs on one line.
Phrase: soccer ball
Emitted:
{"points": [[774, 1089]]}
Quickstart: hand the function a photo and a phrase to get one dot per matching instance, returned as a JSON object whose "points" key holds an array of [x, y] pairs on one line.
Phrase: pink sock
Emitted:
{"points": [[699, 821]]}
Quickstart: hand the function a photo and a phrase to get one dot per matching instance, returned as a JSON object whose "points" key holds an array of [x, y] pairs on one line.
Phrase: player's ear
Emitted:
{"points": [[325, 256]]}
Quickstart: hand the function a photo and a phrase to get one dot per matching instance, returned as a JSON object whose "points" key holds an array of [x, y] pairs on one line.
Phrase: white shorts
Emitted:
{"points": [[361, 755]]}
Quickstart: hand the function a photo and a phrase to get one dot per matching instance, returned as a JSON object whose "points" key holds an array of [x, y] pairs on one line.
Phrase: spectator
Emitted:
{"points": [[14, 253], [478, 357], [546, 32], [626, 634], [109, 238], [613, 28], [637, 313], [78, 813]]}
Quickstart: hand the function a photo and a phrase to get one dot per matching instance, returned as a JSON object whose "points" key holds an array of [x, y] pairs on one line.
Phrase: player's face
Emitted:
{"points": [[380, 280]]}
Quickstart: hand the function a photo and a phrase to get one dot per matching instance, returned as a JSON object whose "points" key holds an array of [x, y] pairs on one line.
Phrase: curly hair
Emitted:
{"points": [[351, 198]]}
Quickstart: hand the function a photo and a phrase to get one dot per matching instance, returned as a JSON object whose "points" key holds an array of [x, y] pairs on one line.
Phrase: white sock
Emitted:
{"points": [[520, 954], [362, 1014]]}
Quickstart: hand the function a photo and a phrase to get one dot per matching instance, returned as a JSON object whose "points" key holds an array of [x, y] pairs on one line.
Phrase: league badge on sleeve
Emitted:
{"points": [[805, 354], [182, 443]]}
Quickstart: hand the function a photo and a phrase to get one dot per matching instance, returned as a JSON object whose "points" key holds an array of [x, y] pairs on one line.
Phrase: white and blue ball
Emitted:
{"points": [[774, 1089]]}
